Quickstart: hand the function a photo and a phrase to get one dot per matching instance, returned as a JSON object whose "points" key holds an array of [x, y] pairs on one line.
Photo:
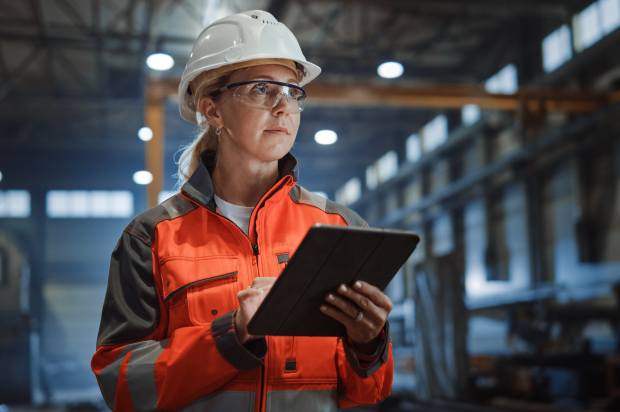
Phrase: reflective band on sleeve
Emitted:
{"points": [[141, 376], [322, 400], [236, 401], [108, 377]]}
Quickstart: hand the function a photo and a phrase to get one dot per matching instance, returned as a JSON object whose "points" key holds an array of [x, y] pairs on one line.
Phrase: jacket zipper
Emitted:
{"points": [[256, 252], [263, 369]]}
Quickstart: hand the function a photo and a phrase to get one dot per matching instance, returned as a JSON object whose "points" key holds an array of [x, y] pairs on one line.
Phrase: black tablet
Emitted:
{"points": [[327, 257]]}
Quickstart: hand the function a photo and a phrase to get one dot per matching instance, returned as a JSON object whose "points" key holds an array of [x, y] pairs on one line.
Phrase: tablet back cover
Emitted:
{"points": [[328, 257]]}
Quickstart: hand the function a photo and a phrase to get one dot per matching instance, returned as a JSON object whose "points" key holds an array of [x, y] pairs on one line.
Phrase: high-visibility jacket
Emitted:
{"points": [[167, 339]]}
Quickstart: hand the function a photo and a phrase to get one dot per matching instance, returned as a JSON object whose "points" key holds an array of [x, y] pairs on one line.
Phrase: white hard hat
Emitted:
{"points": [[251, 35]]}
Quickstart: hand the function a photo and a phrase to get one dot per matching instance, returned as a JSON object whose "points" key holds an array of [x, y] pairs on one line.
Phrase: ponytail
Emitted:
{"points": [[206, 139]]}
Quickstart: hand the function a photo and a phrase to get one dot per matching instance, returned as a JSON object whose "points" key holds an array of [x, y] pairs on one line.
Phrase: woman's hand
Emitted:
{"points": [[249, 301], [373, 305]]}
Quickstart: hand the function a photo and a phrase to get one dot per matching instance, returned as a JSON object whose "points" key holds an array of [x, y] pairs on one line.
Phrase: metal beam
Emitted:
{"points": [[446, 96], [74, 16], [277, 8], [549, 8], [154, 117], [14, 77], [88, 40], [455, 97]]}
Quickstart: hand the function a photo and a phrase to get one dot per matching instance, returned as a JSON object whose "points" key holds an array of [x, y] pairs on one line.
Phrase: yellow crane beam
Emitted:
{"points": [[439, 96], [154, 117], [448, 96]]}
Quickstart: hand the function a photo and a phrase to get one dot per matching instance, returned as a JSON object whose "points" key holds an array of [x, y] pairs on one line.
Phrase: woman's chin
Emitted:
{"points": [[275, 149]]}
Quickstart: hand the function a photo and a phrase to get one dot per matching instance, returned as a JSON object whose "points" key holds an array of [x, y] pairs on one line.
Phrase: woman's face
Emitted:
{"points": [[264, 134]]}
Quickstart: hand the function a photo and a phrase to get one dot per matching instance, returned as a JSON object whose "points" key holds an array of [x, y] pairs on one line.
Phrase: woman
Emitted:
{"points": [[188, 275]]}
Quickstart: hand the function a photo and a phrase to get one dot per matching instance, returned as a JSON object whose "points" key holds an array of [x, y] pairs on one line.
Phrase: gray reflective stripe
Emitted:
{"points": [[141, 375], [323, 400], [236, 401], [108, 377]]}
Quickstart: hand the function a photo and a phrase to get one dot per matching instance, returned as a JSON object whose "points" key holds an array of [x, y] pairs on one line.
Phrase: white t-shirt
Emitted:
{"points": [[238, 214]]}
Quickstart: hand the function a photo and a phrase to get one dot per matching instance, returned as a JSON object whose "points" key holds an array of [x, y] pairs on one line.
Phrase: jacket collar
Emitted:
{"points": [[200, 186]]}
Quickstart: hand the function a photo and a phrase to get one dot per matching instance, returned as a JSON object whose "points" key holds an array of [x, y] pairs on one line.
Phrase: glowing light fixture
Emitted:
{"points": [[325, 137], [143, 177], [390, 70], [0, 176], [145, 134], [160, 61]]}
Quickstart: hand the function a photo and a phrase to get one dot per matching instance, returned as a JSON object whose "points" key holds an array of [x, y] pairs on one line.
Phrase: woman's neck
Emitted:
{"points": [[242, 181]]}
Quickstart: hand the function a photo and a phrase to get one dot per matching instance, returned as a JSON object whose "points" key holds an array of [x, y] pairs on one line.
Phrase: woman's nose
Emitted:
{"points": [[286, 103]]}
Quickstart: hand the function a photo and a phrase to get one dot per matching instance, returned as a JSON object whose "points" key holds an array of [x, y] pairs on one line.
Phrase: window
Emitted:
{"points": [[387, 166], [435, 133], [372, 177], [165, 195], [443, 235], [350, 192], [610, 15], [557, 49], [15, 203], [504, 82], [89, 204], [322, 194], [383, 170], [587, 27], [470, 114], [414, 148]]}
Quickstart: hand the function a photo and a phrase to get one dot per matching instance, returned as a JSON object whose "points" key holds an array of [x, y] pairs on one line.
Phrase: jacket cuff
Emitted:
{"points": [[244, 357], [359, 361]]}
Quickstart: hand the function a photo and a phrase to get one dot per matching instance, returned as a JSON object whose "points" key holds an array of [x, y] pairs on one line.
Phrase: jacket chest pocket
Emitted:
{"points": [[210, 282]]}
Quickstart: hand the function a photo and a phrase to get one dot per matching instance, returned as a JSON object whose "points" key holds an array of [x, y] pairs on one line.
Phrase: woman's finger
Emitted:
{"points": [[363, 302], [338, 315], [347, 307], [374, 294], [263, 283]]}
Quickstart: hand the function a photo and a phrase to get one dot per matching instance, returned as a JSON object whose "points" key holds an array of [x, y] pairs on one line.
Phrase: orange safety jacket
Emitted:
{"points": [[167, 339]]}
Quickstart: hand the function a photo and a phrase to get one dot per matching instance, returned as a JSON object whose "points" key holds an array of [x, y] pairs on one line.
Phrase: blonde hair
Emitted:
{"points": [[206, 139]]}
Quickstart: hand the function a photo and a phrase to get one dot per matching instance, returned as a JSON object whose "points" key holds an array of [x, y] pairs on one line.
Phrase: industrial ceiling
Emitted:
{"points": [[73, 72]]}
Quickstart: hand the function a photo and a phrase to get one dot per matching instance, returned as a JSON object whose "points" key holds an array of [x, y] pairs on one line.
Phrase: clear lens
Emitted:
{"points": [[269, 95]]}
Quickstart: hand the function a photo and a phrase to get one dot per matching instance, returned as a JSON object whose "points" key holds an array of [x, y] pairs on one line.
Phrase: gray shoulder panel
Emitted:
{"points": [[303, 196], [143, 226]]}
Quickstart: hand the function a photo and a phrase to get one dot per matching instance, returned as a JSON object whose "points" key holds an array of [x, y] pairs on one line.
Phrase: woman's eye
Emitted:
{"points": [[291, 93], [260, 88]]}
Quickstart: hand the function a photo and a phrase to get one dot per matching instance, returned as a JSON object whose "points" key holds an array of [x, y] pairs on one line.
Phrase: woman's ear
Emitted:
{"points": [[210, 110]]}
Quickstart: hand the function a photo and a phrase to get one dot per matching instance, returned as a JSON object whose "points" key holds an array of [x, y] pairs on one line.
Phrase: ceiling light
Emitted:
{"points": [[325, 137], [143, 177], [160, 61], [145, 134], [0, 176], [390, 70]]}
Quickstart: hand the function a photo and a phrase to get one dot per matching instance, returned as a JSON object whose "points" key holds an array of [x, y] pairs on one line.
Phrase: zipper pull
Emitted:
{"points": [[255, 249]]}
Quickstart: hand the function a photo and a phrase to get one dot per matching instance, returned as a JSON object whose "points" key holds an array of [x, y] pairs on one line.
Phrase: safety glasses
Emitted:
{"points": [[264, 93]]}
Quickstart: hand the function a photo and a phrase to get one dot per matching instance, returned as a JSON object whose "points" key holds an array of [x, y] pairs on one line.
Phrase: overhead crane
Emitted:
{"points": [[529, 103]]}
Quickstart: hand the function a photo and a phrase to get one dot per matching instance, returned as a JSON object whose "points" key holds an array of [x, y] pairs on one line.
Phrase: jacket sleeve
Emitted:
{"points": [[137, 365], [364, 379]]}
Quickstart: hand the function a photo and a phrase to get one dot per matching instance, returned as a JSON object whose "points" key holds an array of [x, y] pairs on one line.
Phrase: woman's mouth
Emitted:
{"points": [[277, 130]]}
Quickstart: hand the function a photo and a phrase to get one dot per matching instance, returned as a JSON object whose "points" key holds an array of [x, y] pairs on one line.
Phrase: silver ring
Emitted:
{"points": [[359, 316]]}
